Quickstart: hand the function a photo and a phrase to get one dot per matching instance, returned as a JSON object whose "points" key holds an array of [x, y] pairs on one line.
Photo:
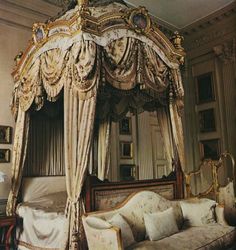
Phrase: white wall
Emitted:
{"points": [[12, 39], [17, 18]]}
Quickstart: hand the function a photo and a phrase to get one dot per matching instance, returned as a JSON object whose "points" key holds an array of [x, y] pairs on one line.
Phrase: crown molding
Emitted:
{"points": [[210, 20], [202, 36]]}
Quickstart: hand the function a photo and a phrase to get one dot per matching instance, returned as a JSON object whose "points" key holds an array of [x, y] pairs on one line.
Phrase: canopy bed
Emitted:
{"points": [[80, 72]]}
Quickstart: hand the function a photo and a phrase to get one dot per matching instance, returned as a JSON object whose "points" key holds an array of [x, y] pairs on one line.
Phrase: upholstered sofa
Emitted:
{"points": [[200, 225]]}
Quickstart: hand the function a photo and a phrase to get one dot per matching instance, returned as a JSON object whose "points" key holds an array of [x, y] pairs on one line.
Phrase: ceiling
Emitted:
{"points": [[181, 13], [175, 14]]}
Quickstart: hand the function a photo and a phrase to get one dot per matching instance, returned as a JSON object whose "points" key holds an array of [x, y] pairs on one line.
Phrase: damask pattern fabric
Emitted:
{"points": [[226, 195], [198, 212], [205, 237], [124, 63], [145, 202], [78, 129], [127, 236], [208, 237], [18, 158], [160, 224], [98, 223]]}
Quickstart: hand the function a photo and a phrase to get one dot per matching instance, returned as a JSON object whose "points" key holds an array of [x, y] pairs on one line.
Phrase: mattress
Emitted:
{"points": [[44, 223]]}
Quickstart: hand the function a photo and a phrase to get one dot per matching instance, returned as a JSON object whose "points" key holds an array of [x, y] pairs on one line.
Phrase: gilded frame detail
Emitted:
{"points": [[5, 155], [126, 150]]}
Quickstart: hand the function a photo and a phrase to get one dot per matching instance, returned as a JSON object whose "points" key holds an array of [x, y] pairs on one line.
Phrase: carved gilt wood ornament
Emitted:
{"points": [[136, 19]]}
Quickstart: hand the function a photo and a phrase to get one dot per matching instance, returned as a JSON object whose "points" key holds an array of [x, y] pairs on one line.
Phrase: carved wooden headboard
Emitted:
{"points": [[103, 195]]}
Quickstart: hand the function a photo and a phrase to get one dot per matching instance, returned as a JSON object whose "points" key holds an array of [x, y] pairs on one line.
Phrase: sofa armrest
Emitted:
{"points": [[220, 216], [102, 239]]}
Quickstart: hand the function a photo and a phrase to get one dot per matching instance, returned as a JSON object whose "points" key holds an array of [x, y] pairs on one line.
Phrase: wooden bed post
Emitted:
{"points": [[179, 181]]}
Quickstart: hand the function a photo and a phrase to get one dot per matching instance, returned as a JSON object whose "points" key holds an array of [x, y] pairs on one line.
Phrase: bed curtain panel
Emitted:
{"points": [[165, 126], [79, 122], [18, 158], [79, 115], [177, 128], [104, 136]]}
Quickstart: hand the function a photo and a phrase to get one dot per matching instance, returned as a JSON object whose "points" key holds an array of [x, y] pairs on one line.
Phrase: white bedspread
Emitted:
{"points": [[44, 223]]}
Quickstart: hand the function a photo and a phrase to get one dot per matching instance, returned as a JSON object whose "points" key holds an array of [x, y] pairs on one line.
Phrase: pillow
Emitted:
{"points": [[160, 224], [126, 232], [178, 213], [198, 212], [97, 223]]}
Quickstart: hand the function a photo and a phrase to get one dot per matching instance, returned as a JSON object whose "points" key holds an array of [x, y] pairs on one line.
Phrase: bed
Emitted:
{"points": [[43, 213], [89, 67]]}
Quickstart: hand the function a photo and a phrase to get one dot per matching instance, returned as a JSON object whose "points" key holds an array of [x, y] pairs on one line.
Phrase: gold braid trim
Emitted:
{"points": [[24, 244]]}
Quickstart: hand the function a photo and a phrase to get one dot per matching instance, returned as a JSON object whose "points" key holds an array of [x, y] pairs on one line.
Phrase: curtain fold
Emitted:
{"points": [[165, 126], [177, 130], [145, 155], [45, 156], [18, 158], [54, 70], [78, 131], [104, 136]]}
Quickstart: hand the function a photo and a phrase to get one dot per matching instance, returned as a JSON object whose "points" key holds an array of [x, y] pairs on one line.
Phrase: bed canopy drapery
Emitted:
{"points": [[105, 60]]}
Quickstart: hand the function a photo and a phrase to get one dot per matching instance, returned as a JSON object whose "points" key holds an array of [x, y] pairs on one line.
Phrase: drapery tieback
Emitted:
{"points": [[69, 204], [72, 201]]}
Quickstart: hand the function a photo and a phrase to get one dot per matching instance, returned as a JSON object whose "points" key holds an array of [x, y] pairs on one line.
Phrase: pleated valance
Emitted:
{"points": [[119, 55]]}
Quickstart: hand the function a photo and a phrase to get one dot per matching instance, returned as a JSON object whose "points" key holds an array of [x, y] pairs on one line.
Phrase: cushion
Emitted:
{"points": [[97, 223], [198, 212], [160, 224], [126, 232], [208, 237]]}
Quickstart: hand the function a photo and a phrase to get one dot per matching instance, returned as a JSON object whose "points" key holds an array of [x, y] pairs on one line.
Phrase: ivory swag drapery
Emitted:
{"points": [[79, 65]]}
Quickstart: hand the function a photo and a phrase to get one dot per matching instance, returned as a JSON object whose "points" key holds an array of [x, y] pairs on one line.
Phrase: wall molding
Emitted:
{"points": [[203, 41], [226, 52], [202, 36]]}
